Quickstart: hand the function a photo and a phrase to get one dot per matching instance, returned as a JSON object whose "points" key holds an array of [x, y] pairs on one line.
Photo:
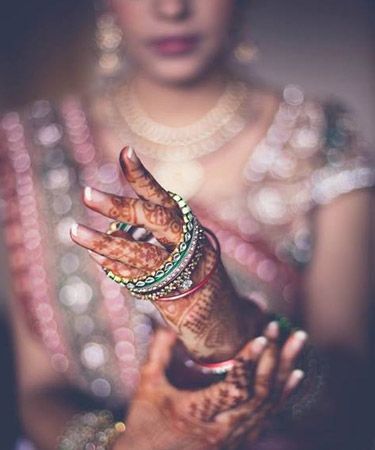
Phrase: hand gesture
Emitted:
{"points": [[210, 321], [221, 416]]}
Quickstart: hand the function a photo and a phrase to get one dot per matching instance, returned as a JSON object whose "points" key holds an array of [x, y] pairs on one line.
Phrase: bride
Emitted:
{"points": [[268, 176]]}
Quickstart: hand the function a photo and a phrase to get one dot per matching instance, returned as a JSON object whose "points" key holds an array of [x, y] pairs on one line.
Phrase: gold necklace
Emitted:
{"points": [[176, 150]]}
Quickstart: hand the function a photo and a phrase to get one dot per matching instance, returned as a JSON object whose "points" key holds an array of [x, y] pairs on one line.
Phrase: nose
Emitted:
{"points": [[172, 9]]}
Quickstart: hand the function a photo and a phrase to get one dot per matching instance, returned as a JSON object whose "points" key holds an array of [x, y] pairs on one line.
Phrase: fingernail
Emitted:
{"points": [[130, 153], [299, 338], [293, 381], [93, 195], [87, 193], [295, 378], [272, 330], [74, 229], [82, 232], [301, 335], [259, 343], [298, 374]]}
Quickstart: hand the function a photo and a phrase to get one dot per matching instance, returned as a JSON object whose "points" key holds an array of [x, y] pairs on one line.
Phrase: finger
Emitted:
{"points": [[116, 267], [160, 352], [206, 403], [241, 374], [294, 380], [272, 331], [164, 223], [240, 413], [267, 364], [257, 407], [289, 354], [143, 183], [142, 256], [244, 424], [250, 418]]}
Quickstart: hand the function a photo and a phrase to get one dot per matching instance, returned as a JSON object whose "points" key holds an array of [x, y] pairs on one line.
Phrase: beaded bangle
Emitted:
{"points": [[206, 279], [174, 264], [94, 430], [179, 265], [183, 281]]}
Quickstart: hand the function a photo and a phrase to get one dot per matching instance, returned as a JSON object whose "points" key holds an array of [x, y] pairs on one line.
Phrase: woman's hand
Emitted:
{"points": [[221, 416], [211, 322]]}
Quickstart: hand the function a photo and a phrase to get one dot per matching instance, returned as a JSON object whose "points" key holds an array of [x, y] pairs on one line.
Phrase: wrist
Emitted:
{"points": [[252, 319]]}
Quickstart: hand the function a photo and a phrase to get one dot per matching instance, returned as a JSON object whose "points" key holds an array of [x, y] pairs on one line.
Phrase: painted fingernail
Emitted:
{"points": [[298, 374], [130, 153], [259, 344], [87, 193], [292, 382], [74, 229], [295, 378], [301, 335], [82, 232], [93, 195], [299, 339], [272, 330]]}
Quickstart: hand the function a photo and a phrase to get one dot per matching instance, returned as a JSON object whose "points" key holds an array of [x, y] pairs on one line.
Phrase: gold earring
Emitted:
{"points": [[245, 52], [109, 39]]}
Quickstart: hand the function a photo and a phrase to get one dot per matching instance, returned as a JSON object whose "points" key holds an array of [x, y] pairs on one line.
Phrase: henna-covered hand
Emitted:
{"points": [[221, 416], [211, 322]]}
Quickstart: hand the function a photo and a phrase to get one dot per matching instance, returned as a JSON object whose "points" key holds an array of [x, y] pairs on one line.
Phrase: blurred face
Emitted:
{"points": [[175, 41]]}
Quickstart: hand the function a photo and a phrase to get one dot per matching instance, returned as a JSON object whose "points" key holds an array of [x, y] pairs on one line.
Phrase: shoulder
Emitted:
{"points": [[309, 156], [343, 162], [314, 144]]}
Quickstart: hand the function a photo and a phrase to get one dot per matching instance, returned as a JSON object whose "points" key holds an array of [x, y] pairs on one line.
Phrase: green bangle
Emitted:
{"points": [[174, 265]]}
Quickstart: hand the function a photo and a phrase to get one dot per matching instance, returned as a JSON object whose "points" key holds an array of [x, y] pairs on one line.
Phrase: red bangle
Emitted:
{"points": [[207, 277]]}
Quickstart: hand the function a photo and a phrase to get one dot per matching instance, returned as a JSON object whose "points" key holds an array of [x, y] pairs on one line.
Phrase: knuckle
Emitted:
{"points": [[236, 393]]}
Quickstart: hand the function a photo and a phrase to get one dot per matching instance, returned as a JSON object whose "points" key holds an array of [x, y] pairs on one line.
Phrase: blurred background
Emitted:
{"points": [[325, 46]]}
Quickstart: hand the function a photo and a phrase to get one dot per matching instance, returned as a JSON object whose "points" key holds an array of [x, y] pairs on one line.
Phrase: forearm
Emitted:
{"points": [[213, 323]]}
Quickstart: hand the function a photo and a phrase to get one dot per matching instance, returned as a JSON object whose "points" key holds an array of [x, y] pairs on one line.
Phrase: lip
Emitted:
{"points": [[175, 45]]}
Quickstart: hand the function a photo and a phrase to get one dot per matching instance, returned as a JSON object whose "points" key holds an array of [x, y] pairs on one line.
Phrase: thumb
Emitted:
{"points": [[160, 351], [141, 180]]}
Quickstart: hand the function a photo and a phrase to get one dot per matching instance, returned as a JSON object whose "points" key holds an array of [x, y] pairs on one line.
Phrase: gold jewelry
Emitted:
{"points": [[245, 52], [205, 136], [175, 269], [183, 282], [171, 146]]}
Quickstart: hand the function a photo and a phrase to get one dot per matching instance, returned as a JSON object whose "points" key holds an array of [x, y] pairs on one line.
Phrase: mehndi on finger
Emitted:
{"points": [[176, 271]]}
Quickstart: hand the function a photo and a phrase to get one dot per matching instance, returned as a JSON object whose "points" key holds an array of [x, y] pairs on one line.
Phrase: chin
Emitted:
{"points": [[179, 72], [179, 76]]}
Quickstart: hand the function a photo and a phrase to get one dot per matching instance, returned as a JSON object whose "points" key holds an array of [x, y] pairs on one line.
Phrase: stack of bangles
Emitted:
{"points": [[172, 280]]}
